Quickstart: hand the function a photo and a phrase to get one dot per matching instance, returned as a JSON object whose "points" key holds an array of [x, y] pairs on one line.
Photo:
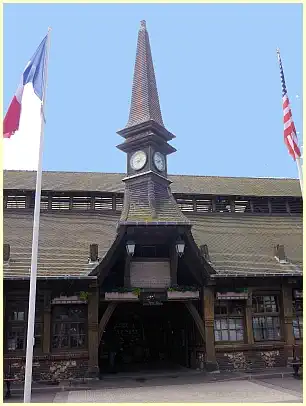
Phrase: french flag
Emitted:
{"points": [[22, 122]]}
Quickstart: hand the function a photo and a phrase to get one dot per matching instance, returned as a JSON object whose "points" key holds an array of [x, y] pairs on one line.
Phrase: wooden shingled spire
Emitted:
{"points": [[147, 197], [145, 102]]}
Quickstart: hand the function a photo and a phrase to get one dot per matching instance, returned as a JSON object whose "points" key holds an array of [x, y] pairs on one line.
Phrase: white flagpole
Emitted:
{"points": [[33, 275]]}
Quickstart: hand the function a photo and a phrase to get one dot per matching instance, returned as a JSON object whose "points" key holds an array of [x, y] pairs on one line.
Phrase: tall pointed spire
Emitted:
{"points": [[145, 102], [147, 196]]}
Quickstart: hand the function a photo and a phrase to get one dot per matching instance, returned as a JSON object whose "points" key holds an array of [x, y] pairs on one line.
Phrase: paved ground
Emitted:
{"points": [[287, 390], [290, 384], [230, 391], [47, 397]]}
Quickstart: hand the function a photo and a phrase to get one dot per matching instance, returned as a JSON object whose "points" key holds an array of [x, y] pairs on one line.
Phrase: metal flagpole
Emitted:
{"points": [[299, 168], [288, 122], [33, 275]]}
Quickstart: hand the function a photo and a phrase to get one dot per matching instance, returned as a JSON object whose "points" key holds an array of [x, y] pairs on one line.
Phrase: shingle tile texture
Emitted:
{"points": [[236, 244], [145, 102], [183, 184]]}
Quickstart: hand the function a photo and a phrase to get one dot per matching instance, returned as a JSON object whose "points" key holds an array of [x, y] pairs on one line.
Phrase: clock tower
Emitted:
{"points": [[148, 198]]}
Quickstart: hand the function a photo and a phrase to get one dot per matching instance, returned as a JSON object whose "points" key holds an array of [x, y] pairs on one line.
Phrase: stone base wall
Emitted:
{"points": [[52, 368], [251, 359]]}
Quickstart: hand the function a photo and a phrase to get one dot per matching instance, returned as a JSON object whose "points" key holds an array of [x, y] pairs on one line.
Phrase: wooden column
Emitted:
{"points": [[232, 204], [248, 319], [173, 265], [270, 206], [127, 274], [286, 319], [93, 323], [194, 205], [4, 303], [208, 312], [28, 200], [47, 322], [114, 206], [4, 318], [288, 207], [252, 206], [92, 202]]}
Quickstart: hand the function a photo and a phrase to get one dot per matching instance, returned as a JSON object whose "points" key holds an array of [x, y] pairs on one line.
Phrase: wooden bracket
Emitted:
{"points": [[105, 319], [197, 318]]}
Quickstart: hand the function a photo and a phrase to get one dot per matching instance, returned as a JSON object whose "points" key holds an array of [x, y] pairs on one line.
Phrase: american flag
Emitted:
{"points": [[290, 136]]}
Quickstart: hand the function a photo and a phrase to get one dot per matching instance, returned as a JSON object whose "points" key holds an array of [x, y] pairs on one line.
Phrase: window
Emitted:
{"points": [[119, 203], [223, 205], [44, 201], [17, 323], [204, 205], [242, 205], [185, 204], [266, 324], [16, 339], [16, 202], [38, 334], [60, 202], [295, 205], [81, 202], [278, 205], [297, 322], [69, 327], [260, 205], [229, 320], [103, 203]]}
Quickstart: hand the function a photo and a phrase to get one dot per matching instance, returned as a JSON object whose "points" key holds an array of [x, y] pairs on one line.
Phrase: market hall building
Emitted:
{"points": [[145, 270]]}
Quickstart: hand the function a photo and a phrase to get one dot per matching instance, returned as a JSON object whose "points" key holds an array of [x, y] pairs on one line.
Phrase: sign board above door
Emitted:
{"points": [[150, 274]]}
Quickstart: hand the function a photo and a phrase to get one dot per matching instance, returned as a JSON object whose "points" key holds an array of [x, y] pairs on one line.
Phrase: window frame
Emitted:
{"points": [[264, 314], [297, 315], [11, 324], [230, 316], [68, 322]]}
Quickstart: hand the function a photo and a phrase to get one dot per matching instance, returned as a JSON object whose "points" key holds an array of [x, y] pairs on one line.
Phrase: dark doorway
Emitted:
{"points": [[140, 337]]}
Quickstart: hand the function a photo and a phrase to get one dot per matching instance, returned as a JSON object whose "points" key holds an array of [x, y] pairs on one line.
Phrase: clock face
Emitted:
{"points": [[138, 160], [159, 161]]}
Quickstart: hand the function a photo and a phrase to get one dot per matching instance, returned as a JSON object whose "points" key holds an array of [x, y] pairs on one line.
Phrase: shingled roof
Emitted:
{"points": [[182, 184], [244, 246], [149, 202], [238, 245], [64, 241]]}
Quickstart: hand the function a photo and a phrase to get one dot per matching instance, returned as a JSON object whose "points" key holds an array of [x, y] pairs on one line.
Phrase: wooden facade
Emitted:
{"points": [[224, 329], [208, 277]]}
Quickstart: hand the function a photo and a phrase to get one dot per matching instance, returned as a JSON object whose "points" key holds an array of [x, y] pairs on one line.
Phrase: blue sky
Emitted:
{"points": [[216, 70]]}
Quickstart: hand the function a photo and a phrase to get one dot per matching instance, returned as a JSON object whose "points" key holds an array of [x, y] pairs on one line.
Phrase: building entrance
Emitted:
{"points": [[141, 337]]}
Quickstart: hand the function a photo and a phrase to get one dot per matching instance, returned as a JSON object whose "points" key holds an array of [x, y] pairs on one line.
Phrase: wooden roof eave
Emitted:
{"points": [[257, 275], [50, 277], [204, 268], [102, 269]]}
